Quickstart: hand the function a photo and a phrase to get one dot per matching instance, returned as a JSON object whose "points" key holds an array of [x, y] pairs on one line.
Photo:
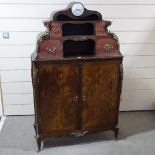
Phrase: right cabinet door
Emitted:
{"points": [[99, 93]]}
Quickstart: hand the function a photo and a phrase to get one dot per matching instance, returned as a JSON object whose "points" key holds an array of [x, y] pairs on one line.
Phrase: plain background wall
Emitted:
{"points": [[133, 22], [0, 106], [0, 100]]}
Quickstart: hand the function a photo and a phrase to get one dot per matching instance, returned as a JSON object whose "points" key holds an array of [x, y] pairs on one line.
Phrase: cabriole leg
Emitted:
{"points": [[38, 144], [35, 128], [116, 131]]}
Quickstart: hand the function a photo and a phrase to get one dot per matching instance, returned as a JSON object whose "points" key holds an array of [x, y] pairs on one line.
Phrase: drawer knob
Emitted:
{"points": [[108, 47], [100, 29], [55, 30], [84, 98], [51, 49], [76, 98]]}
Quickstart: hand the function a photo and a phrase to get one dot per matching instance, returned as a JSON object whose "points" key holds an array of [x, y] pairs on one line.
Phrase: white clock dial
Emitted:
{"points": [[77, 9]]}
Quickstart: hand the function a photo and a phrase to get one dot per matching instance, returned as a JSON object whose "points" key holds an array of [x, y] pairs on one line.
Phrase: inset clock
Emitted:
{"points": [[77, 9]]}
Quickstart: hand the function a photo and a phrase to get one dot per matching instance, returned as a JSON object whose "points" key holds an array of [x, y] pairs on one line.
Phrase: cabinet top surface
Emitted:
{"points": [[35, 58]]}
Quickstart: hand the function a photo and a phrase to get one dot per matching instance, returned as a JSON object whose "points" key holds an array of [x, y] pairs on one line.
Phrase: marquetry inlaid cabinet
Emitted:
{"points": [[76, 75]]}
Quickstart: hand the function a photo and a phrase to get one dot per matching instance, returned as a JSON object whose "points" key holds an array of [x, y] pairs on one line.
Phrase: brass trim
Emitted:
{"points": [[79, 133]]}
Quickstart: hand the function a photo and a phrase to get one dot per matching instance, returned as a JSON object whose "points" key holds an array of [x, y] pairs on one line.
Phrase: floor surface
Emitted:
{"points": [[136, 137]]}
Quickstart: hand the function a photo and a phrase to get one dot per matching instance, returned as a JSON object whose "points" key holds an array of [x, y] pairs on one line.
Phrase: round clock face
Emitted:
{"points": [[77, 9]]}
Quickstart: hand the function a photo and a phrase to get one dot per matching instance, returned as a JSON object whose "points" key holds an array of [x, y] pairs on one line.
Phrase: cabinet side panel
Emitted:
{"points": [[100, 89], [58, 86]]}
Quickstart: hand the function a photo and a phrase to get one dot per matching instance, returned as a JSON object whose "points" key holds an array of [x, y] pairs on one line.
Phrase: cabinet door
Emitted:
{"points": [[99, 90], [59, 90]]}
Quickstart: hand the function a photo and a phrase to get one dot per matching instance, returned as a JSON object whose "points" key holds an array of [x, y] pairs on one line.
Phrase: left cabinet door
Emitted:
{"points": [[58, 99]]}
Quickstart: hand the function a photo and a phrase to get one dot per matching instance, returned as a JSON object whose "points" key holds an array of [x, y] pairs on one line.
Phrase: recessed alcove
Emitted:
{"points": [[92, 17], [79, 48], [69, 29]]}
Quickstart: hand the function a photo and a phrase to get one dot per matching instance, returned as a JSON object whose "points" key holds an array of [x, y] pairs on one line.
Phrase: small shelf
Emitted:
{"points": [[79, 37]]}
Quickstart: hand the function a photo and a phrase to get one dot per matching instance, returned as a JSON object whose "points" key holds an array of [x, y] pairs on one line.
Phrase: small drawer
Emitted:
{"points": [[106, 46], [55, 29], [101, 28], [51, 47]]}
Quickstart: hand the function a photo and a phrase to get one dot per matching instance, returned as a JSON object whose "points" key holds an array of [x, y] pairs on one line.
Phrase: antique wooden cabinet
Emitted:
{"points": [[76, 75]]}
